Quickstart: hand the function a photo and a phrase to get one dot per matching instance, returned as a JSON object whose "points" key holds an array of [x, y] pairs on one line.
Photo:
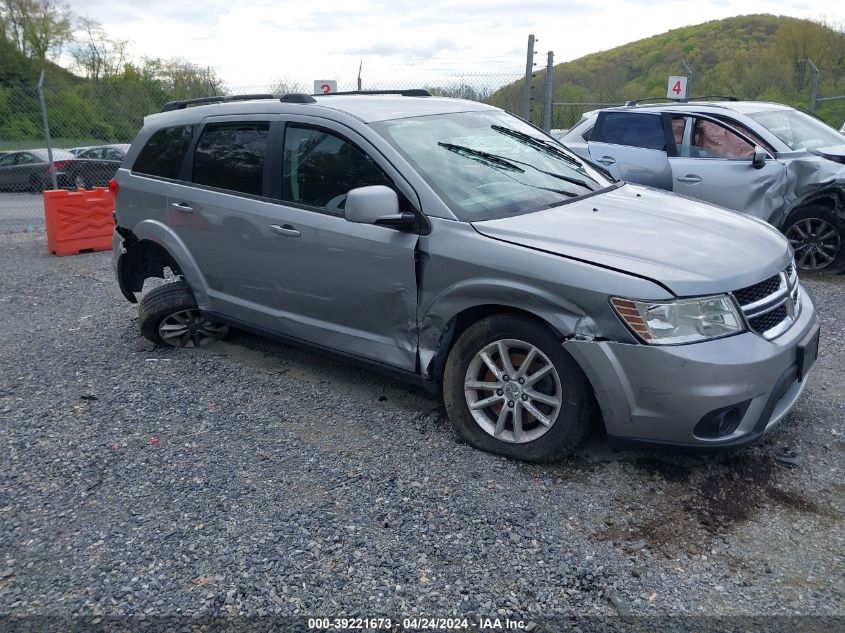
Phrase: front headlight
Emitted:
{"points": [[681, 321]]}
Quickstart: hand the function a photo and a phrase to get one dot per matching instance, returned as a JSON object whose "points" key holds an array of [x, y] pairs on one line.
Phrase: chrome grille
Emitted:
{"points": [[772, 305]]}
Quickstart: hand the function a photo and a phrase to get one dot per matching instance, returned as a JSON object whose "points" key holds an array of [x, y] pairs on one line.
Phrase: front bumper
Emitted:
{"points": [[657, 395]]}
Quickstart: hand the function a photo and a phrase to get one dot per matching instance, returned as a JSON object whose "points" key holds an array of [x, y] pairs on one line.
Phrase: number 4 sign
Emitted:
{"points": [[677, 88]]}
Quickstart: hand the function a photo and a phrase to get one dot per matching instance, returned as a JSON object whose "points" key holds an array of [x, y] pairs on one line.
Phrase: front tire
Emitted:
{"points": [[168, 315], [818, 239], [510, 388]]}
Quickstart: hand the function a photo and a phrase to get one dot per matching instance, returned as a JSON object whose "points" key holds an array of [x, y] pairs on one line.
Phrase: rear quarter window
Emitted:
{"points": [[164, 152]]}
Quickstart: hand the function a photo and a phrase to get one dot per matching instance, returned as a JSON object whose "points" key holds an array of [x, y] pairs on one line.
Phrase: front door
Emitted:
{"points": [[279, 253], [715, 165]]}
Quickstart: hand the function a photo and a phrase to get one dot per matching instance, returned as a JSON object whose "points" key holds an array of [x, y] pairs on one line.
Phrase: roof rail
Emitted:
{"points": [[181, 105], [634, 102], [413, 92], [297, 97]]}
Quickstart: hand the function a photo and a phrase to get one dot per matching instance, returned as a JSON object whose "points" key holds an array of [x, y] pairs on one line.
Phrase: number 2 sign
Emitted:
{"points": [[677, 88]]}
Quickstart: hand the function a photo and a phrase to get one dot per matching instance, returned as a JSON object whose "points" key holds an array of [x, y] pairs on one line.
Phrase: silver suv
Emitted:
{"points": [[765, 159], [456, 246]]}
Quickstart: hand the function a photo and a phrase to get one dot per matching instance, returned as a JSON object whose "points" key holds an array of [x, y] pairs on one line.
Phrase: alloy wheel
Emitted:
{"points": [[816, 243], [513, 391], [189, 328]]}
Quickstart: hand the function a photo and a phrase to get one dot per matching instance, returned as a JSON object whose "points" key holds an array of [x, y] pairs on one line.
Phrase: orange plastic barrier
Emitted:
{"points": [[79, 221]]}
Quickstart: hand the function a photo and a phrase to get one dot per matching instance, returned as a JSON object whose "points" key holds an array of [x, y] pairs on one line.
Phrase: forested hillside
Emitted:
{"points": [[104, 94], [752, 57]]}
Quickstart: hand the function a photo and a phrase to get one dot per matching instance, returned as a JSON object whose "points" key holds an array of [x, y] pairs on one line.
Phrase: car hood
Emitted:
{"points": [[835, 153], [690, 247]]}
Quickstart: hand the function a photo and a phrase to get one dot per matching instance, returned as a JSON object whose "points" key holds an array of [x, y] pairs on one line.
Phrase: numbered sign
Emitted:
{"points": [[677, 88], [325, 86]]}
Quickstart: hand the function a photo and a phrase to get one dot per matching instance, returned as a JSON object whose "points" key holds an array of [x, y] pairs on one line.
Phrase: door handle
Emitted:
{"points": [[606, 160], [286, 229], [181, 206], [690, 178]]}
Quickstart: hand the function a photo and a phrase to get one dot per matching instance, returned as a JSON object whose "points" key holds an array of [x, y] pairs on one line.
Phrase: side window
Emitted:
{"points": [[319, 168], [711, 140], [231, 156], [111, 154], [164, 152], [7, 161], [586, 135], [26, 159], [635, 129]]}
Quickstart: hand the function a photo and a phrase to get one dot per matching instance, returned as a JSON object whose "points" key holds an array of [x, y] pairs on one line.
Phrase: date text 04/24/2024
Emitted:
{"points": [[417, 623]]}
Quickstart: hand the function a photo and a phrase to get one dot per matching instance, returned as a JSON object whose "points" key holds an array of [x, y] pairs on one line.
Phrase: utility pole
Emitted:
{"points": [[547, 104], [529, 75], [47, 138], [360, 65], [689, 78], [814, 96]]}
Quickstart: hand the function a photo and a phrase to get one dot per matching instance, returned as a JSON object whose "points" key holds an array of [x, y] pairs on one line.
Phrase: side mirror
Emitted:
{"points": [[375, 204], [759, 159]]}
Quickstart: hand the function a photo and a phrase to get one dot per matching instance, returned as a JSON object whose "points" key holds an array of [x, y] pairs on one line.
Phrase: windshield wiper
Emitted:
{"points": [[537, 143], [505, 163]]}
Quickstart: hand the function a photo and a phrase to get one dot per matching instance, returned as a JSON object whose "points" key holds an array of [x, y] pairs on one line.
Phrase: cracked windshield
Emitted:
{"points": [[488, 165]]}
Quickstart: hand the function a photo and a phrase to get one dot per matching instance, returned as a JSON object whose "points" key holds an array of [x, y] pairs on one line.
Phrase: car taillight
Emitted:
{"points": [[114, 187], [60, 164]]}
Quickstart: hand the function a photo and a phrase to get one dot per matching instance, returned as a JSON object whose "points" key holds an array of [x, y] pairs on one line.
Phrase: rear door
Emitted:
{"points": [[7, 164], [715, 165], [634, 146]]}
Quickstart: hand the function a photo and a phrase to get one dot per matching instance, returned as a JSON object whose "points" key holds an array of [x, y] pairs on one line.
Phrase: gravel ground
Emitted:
{"points": [[252, 478], [21, 211]]}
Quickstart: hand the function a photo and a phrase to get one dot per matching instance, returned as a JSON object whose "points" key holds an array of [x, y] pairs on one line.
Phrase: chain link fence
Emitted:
{"points": [[92, 123]]}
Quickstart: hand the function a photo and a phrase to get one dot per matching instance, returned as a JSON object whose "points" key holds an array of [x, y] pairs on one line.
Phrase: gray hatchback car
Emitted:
{"points": [[765, 159], [458, 247]]}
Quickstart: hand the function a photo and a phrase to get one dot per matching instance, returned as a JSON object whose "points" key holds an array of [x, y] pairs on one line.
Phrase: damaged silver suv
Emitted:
{"points": [[458, 247], [765, 159]]}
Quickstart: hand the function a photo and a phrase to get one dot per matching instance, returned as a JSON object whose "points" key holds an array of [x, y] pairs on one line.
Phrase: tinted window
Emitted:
{"points": [[6, 161], [320, 168], [231, 156], [630, 128], [163, 153]]}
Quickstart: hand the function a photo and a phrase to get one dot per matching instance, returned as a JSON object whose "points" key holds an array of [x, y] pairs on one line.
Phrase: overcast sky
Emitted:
{"points": [[255, 42]]}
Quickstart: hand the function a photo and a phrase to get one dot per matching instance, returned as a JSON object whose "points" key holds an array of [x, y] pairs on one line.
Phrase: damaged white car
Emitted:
{"points": [[765, 159]]}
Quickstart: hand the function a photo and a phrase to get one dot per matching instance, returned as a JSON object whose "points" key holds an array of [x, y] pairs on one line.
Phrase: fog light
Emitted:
{"points": [[721, 422]]}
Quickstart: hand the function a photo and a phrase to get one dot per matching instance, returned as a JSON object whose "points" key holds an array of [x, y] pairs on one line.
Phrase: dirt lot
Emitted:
{"points": [[255, 479]]}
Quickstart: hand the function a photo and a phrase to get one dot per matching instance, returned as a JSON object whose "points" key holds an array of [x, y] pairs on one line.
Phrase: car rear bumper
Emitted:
{"points": [[652, 395]]}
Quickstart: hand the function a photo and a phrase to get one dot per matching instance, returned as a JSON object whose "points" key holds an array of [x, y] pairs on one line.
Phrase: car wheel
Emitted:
{"points": [[168, 315], [817, 239], [36, 184], [80, 182], [510, 388]]}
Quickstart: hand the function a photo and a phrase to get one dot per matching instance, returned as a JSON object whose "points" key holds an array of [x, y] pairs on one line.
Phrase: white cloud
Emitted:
{"points": [[253, 42]]}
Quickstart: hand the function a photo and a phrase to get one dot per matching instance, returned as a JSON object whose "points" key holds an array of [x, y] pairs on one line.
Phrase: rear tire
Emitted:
{"points": [[818, 239], [561, 398], [36, 184], [168, 315]]}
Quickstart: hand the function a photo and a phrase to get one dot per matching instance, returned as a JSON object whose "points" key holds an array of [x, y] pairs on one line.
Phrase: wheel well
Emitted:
{"points": [[830, 200], [461, 321], [143, 259]]}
